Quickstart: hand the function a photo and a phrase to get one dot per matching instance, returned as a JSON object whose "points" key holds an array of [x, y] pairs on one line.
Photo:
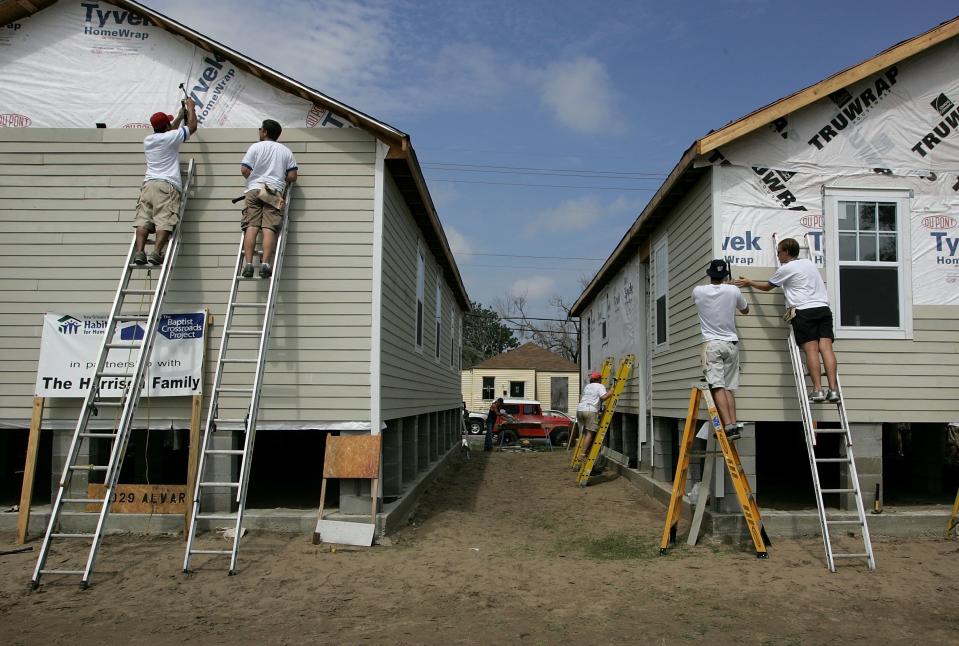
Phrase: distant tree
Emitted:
{"points": [[484, 335], [559, 335]]}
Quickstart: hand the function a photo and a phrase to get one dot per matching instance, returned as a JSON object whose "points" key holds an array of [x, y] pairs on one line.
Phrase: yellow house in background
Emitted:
{"points": [[528, 372]]}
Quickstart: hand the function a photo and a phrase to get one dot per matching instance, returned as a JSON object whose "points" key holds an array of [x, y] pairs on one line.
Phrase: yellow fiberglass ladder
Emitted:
{"points": [[577, 458], [128, 328], [622, 376], [747, 500]]}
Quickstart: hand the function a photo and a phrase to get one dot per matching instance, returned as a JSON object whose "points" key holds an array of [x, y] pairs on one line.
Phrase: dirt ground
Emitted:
{"points": [[504, 548]]}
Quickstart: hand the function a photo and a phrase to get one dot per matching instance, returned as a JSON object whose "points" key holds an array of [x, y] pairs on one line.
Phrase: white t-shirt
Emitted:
{"points": [[162, 150], [268, 162], [717, 305], [802, 284], [590, 397]]}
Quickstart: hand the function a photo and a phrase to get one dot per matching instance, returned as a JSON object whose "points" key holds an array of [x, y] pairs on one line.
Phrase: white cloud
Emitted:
{"points": [[579, 214], [579, 94], [534, 288], [458, 244]]}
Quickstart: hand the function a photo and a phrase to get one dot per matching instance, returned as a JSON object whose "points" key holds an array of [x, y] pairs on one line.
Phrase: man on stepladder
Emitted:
{"points": [[812, 323], [268, 167], [158, 208], [717, 303], [587, 412]]}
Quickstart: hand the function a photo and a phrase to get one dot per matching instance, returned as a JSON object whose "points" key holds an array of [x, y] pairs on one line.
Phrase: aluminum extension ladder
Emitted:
{"points": [[622, 375], [242, 384], [747, 500], [126, 403], [847, 458]]}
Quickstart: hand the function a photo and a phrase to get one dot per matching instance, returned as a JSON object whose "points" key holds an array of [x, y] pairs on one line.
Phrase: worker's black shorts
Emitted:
{"points": [[812, 324]]}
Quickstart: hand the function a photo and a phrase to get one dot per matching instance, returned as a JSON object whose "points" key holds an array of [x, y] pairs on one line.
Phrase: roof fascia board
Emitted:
{"points": [[14, 10], [813, 93], [601, 277]]}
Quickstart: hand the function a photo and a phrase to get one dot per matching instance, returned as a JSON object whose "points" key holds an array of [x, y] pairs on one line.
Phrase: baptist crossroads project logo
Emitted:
{"points": [[113, 23]]}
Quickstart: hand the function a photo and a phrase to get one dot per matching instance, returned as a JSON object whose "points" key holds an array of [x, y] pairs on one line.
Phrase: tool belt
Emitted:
{"points": [[272, 197]]}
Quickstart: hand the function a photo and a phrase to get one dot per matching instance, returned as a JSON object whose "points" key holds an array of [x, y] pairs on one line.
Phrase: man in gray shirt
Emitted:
{"points": [[717, 303]]}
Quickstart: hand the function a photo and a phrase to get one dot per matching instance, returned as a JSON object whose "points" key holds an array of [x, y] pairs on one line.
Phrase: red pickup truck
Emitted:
{"points": [[525, 419]]}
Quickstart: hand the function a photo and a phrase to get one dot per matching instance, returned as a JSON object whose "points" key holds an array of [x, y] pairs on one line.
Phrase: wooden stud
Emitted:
{"points": [[29, 471], [192, 461]]}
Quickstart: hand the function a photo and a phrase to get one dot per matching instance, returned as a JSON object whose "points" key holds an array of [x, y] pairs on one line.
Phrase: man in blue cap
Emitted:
{"points": [[717, 304]]}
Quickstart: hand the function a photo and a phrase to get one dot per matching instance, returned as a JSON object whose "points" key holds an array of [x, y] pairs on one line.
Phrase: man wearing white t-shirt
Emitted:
{"points": [[805, 291], [158, 208], [268, 167], [717, 303], [587, 412]]}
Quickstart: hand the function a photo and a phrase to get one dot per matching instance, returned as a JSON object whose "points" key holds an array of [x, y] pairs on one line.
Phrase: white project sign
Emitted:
{"points": [[70, 345]]}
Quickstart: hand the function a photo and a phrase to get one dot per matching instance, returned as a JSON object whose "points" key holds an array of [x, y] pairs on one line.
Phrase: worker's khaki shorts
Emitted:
{"points": [[257, 213], [721, 364], [588, 420], [159, 204]]}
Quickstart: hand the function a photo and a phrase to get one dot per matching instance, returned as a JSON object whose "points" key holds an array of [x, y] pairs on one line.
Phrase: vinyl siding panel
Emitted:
{"points": [[67, 198], [689, 232], [473, 379], [413, 381]]}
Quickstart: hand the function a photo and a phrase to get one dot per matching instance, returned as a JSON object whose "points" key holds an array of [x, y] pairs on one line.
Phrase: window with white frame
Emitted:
{"points": [[660, 292], [605, 312], [452, 333], [868, 270], [420, 295], [438, 314], [489, 388]]}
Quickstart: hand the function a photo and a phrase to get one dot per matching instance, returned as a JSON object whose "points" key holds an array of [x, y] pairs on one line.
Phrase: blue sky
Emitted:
{"points": [[600, 98]]}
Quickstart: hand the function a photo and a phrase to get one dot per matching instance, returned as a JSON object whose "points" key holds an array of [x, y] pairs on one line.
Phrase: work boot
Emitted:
{"points": [[156, 258], [733, 432], [139, 258]]}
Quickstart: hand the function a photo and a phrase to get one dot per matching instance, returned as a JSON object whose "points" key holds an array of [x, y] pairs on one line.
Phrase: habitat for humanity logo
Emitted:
{"points": [[132, 332], [182, 326], [113, 23], [947, 109], [68, 324]]}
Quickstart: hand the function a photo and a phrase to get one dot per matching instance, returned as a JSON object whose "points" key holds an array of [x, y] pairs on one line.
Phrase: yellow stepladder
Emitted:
{"points": [[606, 371], [747, 501], [953, 523], [622, 375]]}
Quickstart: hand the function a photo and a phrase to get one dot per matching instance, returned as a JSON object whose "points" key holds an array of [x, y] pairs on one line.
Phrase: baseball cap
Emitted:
{"points": [[161, 120], [595, 375], [718, 269]]}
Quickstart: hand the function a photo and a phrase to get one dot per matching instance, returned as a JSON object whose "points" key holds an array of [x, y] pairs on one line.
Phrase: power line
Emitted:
{"points": [[596, 188]]}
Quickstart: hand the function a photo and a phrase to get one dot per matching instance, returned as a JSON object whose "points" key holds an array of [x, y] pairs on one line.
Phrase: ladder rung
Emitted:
{"points": [[220, 484], [249, 304], [829, 430], [238, 361], [837, 491], [72, 535], [114, 373], [89, 467], [851, 556], [83, 501], [109, 404], [99, 436], [243, 332], [844, 522], [133, 265], [223, 389], [132, 317], [229, 421], [125, 345], [832, 459], [211, 552], [225, 452], [62, 571], [216, 516], [138, 292]]}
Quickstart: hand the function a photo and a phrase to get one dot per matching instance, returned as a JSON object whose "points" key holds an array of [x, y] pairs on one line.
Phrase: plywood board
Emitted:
{"points": [[352, 456], [142, 499]]}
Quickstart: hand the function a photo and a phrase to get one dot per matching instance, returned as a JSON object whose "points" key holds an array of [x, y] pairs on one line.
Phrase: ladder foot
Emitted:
{"points": [[231, 573], [84, 585], [762, 555], [187, 571], [34, 584], [663, 551]]}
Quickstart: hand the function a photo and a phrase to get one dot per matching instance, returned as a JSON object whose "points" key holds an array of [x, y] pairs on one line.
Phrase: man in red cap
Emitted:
{"points": [[158, 208], [587, 413]]}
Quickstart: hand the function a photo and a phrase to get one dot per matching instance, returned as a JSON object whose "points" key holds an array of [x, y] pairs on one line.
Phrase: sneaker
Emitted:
{"points": [[733, 432], [817, 396], [832, 396], [156, 258], [265, 270], [139, 258], [247, 271]]}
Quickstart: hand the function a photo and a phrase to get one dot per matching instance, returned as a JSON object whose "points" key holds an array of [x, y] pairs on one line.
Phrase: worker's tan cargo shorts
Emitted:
{"points": [[257, 213], [159, 204], [588, 420], [721, 364]]}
